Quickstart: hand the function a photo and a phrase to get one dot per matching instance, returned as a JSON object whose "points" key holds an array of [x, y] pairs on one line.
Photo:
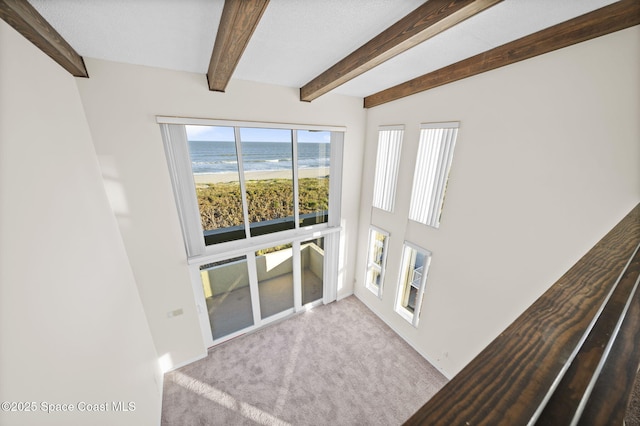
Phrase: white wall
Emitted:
{"points": [[547, 161], [121, 103], [72, 327]]}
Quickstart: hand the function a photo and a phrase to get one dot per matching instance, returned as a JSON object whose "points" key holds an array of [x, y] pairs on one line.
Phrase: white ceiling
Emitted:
{"points": [[296, 39]]}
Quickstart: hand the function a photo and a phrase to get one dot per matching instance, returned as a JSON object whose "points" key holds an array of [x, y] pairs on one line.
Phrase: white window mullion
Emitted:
{"points": [[330, 275], [243, 186], [253, 288], [296, 195], [297, 277]]}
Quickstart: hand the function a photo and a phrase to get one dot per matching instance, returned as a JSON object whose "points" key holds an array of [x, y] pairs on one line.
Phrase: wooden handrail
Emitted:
{"points": [[569, 398], [609, 399], [549, 364]]}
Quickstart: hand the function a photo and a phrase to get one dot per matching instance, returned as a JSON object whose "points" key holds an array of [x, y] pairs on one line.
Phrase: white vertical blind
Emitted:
{"points": [[435, 152], [387, 162], [174, 137]]}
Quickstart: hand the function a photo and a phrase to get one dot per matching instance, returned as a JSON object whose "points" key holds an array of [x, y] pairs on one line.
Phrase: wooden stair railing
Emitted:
{"points": [[570, 358]]}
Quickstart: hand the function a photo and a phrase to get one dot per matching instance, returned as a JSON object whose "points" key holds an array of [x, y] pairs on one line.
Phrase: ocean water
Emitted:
{"points": [[220, 157]]}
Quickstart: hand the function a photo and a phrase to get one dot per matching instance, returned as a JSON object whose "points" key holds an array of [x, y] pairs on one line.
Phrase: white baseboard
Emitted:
{"points": [[189, 361], [344, 296]]}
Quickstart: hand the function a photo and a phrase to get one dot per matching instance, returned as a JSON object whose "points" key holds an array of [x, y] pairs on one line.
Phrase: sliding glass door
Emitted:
{"points": [[245, 292], [274, 267], [312, 264], [227, 293]]}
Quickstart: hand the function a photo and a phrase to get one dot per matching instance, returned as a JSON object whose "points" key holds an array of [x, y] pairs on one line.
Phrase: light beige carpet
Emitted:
{"points": [[632, 417], [337, 364]]}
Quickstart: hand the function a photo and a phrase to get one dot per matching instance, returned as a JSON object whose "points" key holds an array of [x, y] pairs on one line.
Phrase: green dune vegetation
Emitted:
{"points": [[221, 203]]}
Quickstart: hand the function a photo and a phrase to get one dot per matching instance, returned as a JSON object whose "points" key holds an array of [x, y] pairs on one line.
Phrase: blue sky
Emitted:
{"points": [[225, 134]]}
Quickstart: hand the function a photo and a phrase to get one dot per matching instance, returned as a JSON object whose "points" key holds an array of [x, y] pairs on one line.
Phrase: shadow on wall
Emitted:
{"points": [[115, 190]]}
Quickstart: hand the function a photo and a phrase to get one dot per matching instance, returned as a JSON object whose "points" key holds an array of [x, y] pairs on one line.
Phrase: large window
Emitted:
{"points": [[435, 152], [376, 260], [314, 168], [237, 181], [268, 174], [387, 163], [216, 177], [413, 277]]}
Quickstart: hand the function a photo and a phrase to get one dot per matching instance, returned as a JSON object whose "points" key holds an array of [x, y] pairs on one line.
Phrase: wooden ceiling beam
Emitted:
{"points": [[615, 17], [25, 19], [238, 22], [429, 19]]}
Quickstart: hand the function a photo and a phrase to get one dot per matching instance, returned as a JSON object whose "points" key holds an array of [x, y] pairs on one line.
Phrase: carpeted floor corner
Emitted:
{"points": [[632, 417], [337, 364]]}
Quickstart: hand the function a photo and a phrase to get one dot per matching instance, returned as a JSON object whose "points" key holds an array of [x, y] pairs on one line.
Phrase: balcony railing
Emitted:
{"points": [[232, 233], [571, 358]]}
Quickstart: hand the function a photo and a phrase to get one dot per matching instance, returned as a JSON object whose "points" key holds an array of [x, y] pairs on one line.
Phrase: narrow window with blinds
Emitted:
{"points": [[435, 152], [387, 162], [376, 260], [413, 278]]}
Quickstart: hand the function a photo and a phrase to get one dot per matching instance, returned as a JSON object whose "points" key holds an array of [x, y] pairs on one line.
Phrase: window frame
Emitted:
{"points": [[412, 317], [197, 253], [385, 180], [372, 265]]}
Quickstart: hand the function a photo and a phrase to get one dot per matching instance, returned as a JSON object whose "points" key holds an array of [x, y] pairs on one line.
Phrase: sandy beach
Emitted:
{"points": [[259, 175]]}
